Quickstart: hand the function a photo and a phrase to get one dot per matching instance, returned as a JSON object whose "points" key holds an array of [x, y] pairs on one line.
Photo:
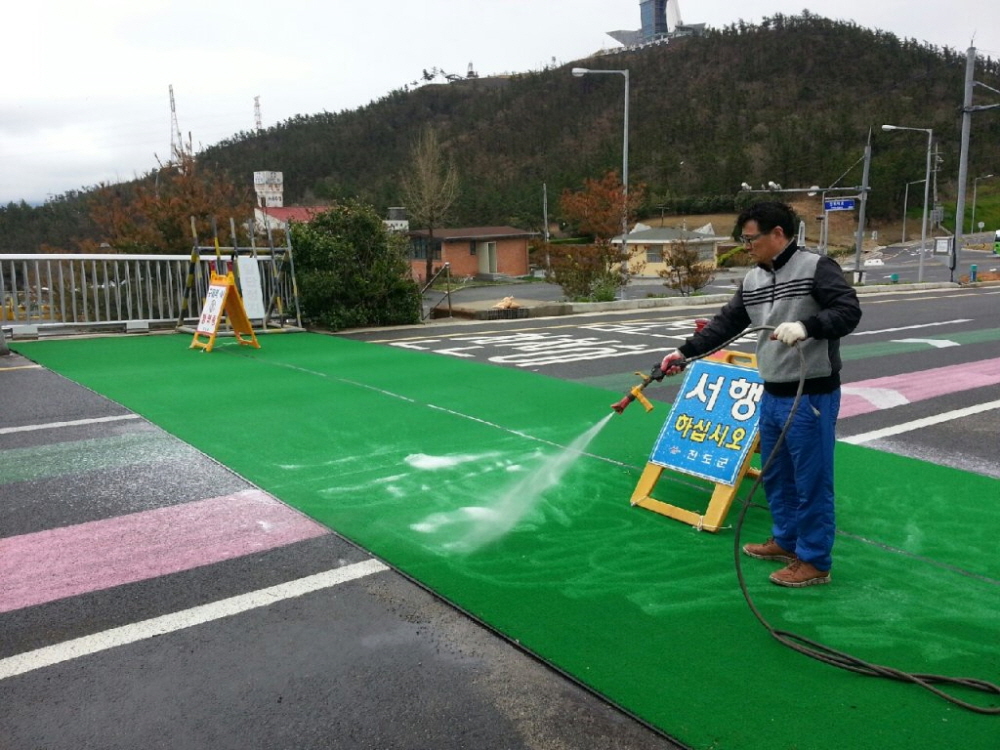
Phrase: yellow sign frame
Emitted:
{"points": [[223, 299]]}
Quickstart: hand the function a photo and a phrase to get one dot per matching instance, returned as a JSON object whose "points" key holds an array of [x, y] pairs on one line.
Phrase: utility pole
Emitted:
{"points": [[937, 168], [545, 224], [859, 239], [963, 159], [545, 211]]}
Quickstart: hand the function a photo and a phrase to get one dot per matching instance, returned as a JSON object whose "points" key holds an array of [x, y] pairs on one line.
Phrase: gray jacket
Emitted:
{"points": [[800, 286]]}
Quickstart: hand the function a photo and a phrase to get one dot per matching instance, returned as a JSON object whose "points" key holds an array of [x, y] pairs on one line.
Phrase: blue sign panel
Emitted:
{"points": [[713, 422], [839, 204]]}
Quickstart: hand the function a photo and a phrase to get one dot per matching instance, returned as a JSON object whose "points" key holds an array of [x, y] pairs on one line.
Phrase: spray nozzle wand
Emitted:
{"points": [[635, 392]]}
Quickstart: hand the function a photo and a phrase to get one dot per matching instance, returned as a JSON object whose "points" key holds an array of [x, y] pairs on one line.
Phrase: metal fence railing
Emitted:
{"points": [[87, 291]]}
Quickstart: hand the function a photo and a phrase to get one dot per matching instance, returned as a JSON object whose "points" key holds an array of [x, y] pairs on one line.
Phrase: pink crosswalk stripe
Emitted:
{"points": [[867, 396], [48, 565]]}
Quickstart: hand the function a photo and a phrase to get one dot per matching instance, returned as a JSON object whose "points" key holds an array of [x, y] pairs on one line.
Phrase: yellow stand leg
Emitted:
{"points": [[197, 343], [718, 505]]}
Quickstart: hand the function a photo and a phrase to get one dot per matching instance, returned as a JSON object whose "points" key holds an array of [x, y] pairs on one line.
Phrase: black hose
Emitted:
{"points": [[814, 649]]}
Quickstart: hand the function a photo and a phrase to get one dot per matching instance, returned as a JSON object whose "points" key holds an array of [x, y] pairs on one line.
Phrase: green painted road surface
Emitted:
{"points": [[458, 475]]}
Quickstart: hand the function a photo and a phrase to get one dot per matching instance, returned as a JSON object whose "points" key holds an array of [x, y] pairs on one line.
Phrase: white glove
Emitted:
{"points": [[673, 363], [789, 333]]}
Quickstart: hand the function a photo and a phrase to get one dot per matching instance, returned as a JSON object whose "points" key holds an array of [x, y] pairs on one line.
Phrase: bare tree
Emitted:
{"points": [[429, 187]]}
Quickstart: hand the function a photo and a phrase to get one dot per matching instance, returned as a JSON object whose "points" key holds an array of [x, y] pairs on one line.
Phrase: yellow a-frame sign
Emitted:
{"points": [[223, 298], [736, 452]]}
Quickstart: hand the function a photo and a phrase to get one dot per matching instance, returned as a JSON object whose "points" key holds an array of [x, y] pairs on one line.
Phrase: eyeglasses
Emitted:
{"points": [[747, 239]]}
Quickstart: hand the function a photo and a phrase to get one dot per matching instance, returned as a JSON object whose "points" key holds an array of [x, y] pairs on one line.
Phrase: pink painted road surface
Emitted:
{"points": [[57, 563], [867, 396]]}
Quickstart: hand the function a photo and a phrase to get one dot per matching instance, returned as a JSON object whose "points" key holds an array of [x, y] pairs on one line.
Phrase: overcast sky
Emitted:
{"points": [[85, 95]]}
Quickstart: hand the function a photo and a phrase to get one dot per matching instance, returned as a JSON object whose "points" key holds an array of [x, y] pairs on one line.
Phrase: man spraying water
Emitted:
{"points": [[807, 302]]}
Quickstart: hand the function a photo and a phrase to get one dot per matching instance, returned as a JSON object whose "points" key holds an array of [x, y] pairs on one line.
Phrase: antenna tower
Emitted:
{"points": [[176, 139], [256, 114]]}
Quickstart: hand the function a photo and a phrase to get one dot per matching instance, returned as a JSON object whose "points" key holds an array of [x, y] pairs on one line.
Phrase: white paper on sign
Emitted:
{"points": [[250, 288]]}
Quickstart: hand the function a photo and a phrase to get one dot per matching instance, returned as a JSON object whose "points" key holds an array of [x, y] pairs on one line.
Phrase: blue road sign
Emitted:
{"points": [[839, 204], [712, 423]]}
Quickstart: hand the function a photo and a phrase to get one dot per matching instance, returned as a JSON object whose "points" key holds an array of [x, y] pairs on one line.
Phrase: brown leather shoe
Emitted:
{"points": [[769, 550], [799, 574]]}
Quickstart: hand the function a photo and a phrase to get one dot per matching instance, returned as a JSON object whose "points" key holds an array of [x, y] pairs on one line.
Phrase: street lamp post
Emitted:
{"points": [[906, 196], [927, 184], [824, 227], [579, 73], [975, 185]]}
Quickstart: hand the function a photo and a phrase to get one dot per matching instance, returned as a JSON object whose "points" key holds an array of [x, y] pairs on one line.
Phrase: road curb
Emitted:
{"points": [[478, 312], [486, 310]]}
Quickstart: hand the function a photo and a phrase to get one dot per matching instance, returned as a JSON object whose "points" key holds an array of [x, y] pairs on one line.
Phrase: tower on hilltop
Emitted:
{"points": [[653, 14], [661, 21]]}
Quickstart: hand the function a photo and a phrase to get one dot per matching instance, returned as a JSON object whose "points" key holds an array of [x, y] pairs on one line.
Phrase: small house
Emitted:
{"points": [[649, 247], [483, 252]]}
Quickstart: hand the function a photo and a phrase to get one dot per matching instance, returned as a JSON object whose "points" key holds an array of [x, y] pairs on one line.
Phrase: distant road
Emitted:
{"points": [[900, 259], [924, 363], [903, 259]]}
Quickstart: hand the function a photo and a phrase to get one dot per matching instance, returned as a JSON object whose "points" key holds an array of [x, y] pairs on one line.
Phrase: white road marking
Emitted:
{"points": [[936, 343], [140, 631], [910, 328], [880, 398], [73, 423], [458, 351], [917, 424]]}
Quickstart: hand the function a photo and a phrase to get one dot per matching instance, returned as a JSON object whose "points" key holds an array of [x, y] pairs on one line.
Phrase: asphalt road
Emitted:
{"points": [[904, 261]]}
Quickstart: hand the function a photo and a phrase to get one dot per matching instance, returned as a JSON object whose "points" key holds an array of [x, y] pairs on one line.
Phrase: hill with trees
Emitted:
{"points": [[790, 101]]}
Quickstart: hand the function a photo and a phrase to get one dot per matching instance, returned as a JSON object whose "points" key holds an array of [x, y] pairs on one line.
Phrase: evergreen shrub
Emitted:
{"points": [[352, 271]]}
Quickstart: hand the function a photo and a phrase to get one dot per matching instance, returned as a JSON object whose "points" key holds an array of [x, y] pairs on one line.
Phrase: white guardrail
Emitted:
{"points": [[79, 292]]}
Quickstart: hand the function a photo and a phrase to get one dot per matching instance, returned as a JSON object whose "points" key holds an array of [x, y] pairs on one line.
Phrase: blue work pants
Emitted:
{"points": [[799, 480]]}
